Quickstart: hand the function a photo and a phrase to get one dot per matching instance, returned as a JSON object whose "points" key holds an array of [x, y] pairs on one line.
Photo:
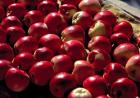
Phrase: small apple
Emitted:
{"points": [[17, 80], [80, 92]]}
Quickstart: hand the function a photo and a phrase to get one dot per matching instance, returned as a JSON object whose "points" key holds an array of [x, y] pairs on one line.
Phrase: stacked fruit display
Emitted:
{"points": [[66, 49]]}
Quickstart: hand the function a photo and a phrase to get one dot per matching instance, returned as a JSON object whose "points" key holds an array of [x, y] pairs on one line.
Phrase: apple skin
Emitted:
{"points": [[47, 6], [17, 80], [90, 6], [55, 22], [33, 16], [114, 71], [83, 19], [74, 32], [37, 30], [80, 67], [103, 96], [123, 88], [132, 67], [124, 27], [16, 9], [4, 66], [23, 61], [62, 63], [99, 59], [61, 84], [14, 33], [96, 85], [99, 28], [6, 52], [26, 44], [79, 92], [100, 42], [2, 12], [43, 53], [107, 16], [10, 21], [51, 41], [123, 52], [41, 73], [75, 49], [2, 35]]}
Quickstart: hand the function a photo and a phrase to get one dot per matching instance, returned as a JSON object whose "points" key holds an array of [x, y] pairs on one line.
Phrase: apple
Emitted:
{"points": [[61, 84], [124, 27], [114, 71], [10, 21], [83, 19], [51, 41], [75, 49], [4, 66], [132, 67], [74, 32], [16, 9], [41, 72], [16, 80], [96, 85], [123, 88], [2, 12], [99, 28], [100, 42], [23, 60], [47, 6], [62, 63], [79, 92], [99, 59], [6, 52], [26, 44], [13, 33], [73, 2], [55, 22], [103, 96], [123, 52], [2, 35], [107, 16], [33, 16], [90, 6], [82, 69], [43, 53], [37, 30]]}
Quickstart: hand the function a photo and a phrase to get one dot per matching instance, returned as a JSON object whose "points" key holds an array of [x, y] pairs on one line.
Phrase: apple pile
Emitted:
{"points": [[72, 48]]}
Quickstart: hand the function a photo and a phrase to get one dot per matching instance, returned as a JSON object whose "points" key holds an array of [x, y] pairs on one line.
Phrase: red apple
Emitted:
{"points": [[62, 63], [124, 27], [55, 22], [47, 6], [123, 52], [61, 84], [107, 16], [14, 33], [100, 42], [90, 6], [99, 59], [123, 88], [79, 92], [16, 80], [132, 67], [74, 32], [96, 85], [75, 49], [37, 30], [26, 44], [83, 19], [103, 96], [2, 35], [41, 73], [6, 51], [4, 66], [33, 16], [2, 13], [82, 70], [43, 53], [16, 9], [99, 28], [23, 60]]}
